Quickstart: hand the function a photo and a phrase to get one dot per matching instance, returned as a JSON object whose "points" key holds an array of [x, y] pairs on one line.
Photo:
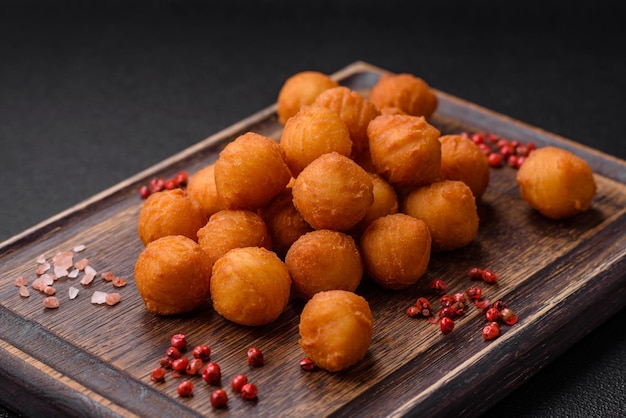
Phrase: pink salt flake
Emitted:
{"points": [[47, 279], [38, 284], [87, 279], [49, 290], [108, 276], [63, 259], [51, 302], [24, 291], [119, 282], [81, 264], [73, 274], [79, 248], [112, 299], [20, 281], [42, 268], [99, 297], [60, 271], [41, 259], [90, 270], [73, 292]]}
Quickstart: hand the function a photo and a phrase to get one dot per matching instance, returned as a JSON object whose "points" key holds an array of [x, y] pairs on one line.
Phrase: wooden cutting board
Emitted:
{"points": [[563, 278]]}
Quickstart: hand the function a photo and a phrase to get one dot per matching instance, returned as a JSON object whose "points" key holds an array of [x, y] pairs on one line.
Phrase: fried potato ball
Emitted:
{"points": [[396, 250], [250, 286], [336, 329], [333, 192], [231, 228], [201, 188], [299, 90], [405, 150], [284, 222], [556, 182], [385, 203], [169, 212], [173, 275], [324, 260], [354, 109], [449, 209], [250, 171], [405, 91], [313, 131], [462, 159]]}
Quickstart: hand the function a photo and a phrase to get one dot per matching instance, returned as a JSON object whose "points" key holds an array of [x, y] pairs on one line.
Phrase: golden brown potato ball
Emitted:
{"points": [[250, 171], [462, 159], [336, 329], [407, 92], [313, 131], [396, 250], [405, 150], [333, 192], [250, 286], [173, 275], [284, 222], [169, 212], [385, 203], [354, 109], [324, 260], [231, 228], [449, 209], [556, 182], [299, 90], [201, 188]]}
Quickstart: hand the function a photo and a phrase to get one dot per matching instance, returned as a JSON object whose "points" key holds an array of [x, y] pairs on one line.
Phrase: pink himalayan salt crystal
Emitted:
{"points": [[112, 299], [41, 259], [73, 274], [63, 259], [20, 281], [24, 291], [87, 279], [73, 292], [108, 276], [49, 290], [81, 264], [79, 248], [119, 282], [60, 271], [38, 284], [51, 302], [98, 297], [47, 279], [42, 268]]}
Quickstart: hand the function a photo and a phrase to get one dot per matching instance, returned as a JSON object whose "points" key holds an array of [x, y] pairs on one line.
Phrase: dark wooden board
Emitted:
{"points": [[563, 278]]}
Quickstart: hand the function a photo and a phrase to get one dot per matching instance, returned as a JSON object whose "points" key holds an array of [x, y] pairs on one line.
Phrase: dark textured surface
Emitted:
{"points": [[92, 93]]}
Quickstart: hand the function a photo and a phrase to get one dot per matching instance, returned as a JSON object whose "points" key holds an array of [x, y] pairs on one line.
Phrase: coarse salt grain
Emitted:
{"points": [[60, 271], [42, 268], [49, 290], [20, 281], [47, 279], [73, 292], [73, 274], [98, 297], [119, 282], [51, 302], [112, 299], [87, 279], [41, 259], [38, 284], [81, 264], [79, 248], [90, 270], [24, 291], [108, 276]]}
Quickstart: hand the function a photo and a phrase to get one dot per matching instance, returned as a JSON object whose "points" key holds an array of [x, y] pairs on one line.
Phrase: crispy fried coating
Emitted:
{"points": [[299, 90], [462, 159], [201, 188], [404, 91]]}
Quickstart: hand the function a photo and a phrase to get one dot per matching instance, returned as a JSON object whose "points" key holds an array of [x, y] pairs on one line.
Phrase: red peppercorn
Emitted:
{"points": [[157, 184], [173, 353], [212, 374], [181, 178], [202, 352], [495, 159], [478, 138], [459, 297], [447, 312], [158, 375], [238, 381], [179, 341], [165, 363], [491, 331], [219, 398], [458, 308], [144, 192], [307, 364], [180, 365], [194, 367], [446, 325], [475, 273], [489, 276], [474, 292], [422, 303], [249, 391], [492, 314], [412, 311], [255, 357], [508, 316], [438, 286], [446, 301], [185, 388], [499, 305], [171, 184]]}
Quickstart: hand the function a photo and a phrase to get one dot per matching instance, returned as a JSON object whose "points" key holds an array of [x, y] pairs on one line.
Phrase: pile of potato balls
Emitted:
{"points": [[356, 186]]}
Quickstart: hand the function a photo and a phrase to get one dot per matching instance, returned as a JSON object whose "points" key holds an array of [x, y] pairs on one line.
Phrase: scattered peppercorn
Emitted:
{"points": [[219, 398], [255, 357], [185, 388], [249, 391]]}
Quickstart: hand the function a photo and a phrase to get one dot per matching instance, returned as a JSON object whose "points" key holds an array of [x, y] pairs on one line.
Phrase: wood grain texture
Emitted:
{"points": [[563, 278]]}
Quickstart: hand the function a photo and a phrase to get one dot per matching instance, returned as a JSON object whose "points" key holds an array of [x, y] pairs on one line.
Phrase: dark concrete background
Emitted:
{"points": [[94, 92]]}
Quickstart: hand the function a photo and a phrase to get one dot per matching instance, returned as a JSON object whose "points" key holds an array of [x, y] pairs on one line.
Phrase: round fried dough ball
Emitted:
{"points": [[201, 188], [407, 92], [396, 250], [250, 286], [405, 149], [385, 203], [173, 275], [354, 109], [299, 90], [336, 329], [556, 182], [449, 209], [250, 171], [333, 192], [324, 260], [462, 159], [169, 212], [313, 131], [284, 222], [231, 228]]}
